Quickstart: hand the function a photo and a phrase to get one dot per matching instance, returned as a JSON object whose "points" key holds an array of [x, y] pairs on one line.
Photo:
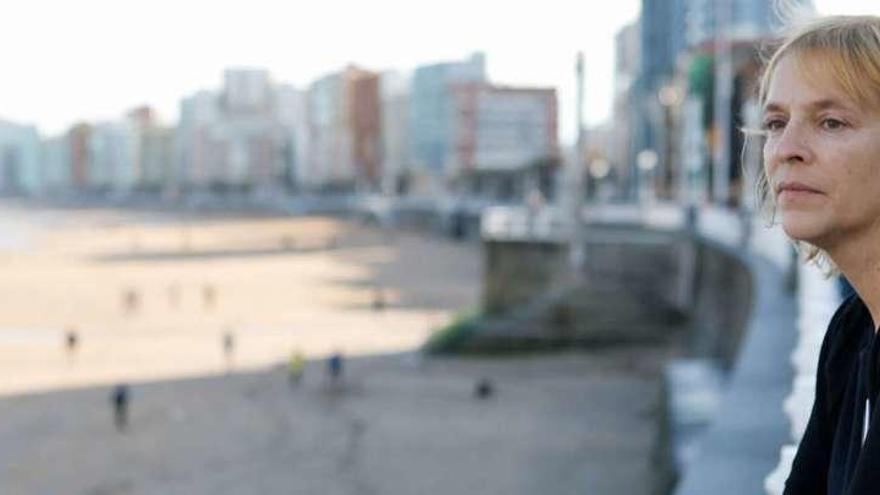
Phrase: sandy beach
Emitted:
{"points": [[150, 296], [134, 287]]}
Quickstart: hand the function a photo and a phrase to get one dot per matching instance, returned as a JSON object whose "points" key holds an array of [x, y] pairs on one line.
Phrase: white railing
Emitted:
{"points": [[517, 223], [817, 300]]}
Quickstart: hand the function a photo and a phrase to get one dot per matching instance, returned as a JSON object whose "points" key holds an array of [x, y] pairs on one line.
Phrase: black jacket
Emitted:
{"points": [[831, 458]]}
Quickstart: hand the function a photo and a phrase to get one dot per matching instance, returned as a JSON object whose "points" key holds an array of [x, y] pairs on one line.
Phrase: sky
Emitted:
{"points": [[65, 61]]}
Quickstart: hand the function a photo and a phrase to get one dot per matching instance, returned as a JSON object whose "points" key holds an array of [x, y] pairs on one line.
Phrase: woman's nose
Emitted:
{"points": [[791, 145]]}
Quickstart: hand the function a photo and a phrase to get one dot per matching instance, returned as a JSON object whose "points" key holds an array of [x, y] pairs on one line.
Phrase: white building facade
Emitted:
{"points": [[20, 159]]}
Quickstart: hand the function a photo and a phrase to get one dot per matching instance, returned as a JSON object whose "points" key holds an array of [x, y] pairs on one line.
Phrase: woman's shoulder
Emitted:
{"points": [[848, 331]]}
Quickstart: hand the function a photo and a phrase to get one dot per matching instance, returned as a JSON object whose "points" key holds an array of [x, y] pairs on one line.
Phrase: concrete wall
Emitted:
{"points": [[637, 285], [518, 272], [724, 292]]}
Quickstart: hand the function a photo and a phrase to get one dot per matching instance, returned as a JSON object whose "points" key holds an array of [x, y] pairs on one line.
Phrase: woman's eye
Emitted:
{"points": [[773, 124], [833, 124]]}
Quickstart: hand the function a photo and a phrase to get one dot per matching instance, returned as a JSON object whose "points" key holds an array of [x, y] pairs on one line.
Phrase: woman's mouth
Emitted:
{"points": [[795, 191]]}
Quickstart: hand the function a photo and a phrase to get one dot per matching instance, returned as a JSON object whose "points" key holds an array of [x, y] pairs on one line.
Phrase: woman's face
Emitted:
{"points": [[822, 155]]}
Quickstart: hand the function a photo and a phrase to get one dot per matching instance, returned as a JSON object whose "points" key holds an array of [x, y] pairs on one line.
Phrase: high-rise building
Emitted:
{"points": [[504, 140], [113, 155], [198, 153], [156, 157], [153, 150], [78, 138], [248, 131], [329, 136], [431, 110], [700, 22], [724, 37], [397, 173], [56, 171], [345, 130], [240, 138], [662, 27], [748, 19], [622, 152], [662, 41], [502, 128], [365, 114], [247, 92], [19, 158], [293, 125]]}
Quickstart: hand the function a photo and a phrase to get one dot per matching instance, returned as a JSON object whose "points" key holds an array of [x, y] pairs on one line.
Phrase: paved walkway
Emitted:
{"points": [[742, 445]]}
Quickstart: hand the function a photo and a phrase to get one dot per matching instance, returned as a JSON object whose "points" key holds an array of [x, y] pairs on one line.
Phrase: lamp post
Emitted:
{"points": [[670, 97], [576, 175], [722, 111]]}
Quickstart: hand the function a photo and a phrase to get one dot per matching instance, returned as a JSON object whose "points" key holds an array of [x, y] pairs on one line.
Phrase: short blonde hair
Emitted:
{"points": [[849, 49]]}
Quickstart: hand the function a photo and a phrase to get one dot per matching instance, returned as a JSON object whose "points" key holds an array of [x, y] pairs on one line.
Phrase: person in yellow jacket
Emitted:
{"points": [[295, 367]]}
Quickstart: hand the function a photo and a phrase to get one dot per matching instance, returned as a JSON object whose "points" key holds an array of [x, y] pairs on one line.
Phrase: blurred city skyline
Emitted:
{"points": [[116, 56], [103, 59]]}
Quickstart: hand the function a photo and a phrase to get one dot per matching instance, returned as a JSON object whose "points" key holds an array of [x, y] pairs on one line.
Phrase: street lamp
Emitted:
{"points": [[599, 168], [670, 96], [576, 248]]}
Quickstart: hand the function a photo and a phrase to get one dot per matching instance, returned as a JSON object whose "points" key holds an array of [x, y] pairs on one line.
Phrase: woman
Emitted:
{"points": [[821, 120]]}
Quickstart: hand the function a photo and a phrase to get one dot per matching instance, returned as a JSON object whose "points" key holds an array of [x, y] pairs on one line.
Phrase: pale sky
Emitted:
{"points": [[69, 60]]}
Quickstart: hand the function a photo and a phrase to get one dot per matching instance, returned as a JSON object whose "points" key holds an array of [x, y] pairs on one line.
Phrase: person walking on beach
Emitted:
{"points": [[820, 98], [334, 367], [119, 399], [130, 301], [71, 340], [296, 367], [229, 347], [483, 389], [378, 299], [209, 296]]}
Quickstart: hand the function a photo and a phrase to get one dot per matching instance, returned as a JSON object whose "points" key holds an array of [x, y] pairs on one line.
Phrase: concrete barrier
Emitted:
{"points": [[724, 291], [636, 285]]}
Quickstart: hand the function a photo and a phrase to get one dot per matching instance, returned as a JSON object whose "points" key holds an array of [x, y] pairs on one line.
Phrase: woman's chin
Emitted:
{"points": [[803, 228]]}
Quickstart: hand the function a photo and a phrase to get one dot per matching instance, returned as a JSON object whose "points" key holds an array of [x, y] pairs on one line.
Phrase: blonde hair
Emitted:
{"points": [[849, 49]]}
